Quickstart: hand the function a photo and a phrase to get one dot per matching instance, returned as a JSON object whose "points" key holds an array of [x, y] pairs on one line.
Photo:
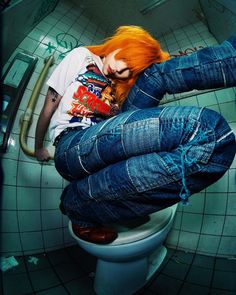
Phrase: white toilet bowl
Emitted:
{"points": [[127, 264]]}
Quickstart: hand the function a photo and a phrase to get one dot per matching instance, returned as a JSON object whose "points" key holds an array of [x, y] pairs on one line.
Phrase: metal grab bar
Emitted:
{"points": [[26, 120]]}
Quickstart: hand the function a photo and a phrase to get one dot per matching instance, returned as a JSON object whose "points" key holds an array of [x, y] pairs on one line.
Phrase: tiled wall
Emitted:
{"points": [[208, 225], [30, 218]]}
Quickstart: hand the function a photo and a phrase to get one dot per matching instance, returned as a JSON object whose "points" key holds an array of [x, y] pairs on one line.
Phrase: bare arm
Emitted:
{"points": [[50, 105]]}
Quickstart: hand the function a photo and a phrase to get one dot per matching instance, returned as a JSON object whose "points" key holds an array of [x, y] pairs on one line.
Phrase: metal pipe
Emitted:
{"points": [[26, 120]]}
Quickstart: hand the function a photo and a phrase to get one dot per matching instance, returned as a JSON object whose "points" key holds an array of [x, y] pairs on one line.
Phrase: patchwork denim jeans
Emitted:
{"points": [[210, 67], [142, 161], [148, 158]]}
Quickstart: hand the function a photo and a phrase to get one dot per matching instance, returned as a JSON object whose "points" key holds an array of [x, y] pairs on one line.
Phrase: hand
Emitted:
{"points": [[42, 154]]}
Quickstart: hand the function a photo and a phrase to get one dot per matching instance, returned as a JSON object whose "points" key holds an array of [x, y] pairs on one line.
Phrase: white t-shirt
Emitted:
{"points": [[86, 93]]}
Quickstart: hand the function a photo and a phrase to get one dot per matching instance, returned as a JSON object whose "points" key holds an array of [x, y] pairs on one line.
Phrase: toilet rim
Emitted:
{"points": [[157, 221]]}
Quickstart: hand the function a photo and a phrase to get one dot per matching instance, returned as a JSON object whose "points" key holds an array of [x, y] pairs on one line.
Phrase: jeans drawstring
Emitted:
{"points": [[185, 193]]}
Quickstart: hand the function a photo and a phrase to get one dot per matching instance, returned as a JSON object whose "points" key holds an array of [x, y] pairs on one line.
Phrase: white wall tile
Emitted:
{"points": [[216, 203], [228, 111], [212, 224], [28, 45], [37, 35], [231, 206], [44, 26], [29, 174], [32, 241], [232, 180], [207, 99], [53, 238], [50, 198], [225, 95], [8, 197], [208, 244], [188, 240], [28, 198], [10, 243], [191, 222], [227, 246], [8, 221], [190, 101], [51, 19], [51, 219], [50, 177], [229, 226], [29, 220], [9, 171]]}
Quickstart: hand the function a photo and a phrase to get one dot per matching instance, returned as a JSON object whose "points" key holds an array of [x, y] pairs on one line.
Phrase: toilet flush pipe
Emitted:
{"points": [[26, 119]]}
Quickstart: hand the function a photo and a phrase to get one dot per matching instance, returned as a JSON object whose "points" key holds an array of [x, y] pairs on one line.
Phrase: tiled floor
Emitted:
{"points": [[71, 271]]}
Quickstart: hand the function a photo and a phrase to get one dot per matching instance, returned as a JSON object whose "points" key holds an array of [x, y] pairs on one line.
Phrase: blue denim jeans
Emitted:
{"points": [[147, 158], [210, 67]]}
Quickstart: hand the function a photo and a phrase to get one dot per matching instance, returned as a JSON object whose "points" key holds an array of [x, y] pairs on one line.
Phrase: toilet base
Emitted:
{"points": [[114, 278]]}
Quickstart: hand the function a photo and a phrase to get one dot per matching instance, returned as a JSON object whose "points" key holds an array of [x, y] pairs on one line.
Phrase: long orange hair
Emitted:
{"points": [[138, 49]]}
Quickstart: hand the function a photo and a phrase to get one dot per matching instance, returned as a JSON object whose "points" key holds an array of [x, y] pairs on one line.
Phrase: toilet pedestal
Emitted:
{"points": [[120, 278], [127, 264]]}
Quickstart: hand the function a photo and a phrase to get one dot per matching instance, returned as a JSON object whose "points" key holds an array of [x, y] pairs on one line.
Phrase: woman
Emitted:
{"points": [[124, 157]]}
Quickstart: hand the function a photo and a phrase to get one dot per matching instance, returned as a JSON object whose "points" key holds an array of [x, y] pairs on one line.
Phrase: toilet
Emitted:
{"points": [[128, 263]]}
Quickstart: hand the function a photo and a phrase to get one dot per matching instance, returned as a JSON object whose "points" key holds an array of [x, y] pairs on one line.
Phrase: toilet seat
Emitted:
{"points": [[135, 230]]}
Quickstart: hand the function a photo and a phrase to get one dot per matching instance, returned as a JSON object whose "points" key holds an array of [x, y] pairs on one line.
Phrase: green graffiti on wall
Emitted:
{"points": [[66, 41]]}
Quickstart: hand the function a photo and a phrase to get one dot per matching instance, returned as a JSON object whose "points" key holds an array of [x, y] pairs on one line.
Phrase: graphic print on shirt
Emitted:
{"points": [[93, 98]]}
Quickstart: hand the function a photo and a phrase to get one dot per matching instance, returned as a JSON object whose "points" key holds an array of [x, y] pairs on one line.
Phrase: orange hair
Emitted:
{"points": [[138, 49]]}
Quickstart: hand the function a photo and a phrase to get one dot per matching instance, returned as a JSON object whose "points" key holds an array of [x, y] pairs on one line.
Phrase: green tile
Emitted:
{"points": [[44, 279], [228, 111], [81, 286], [200, 276], [207, 99], [193, 290], [225, 280], [60, 290], [18, 284], [225, 95], [165, 285]]}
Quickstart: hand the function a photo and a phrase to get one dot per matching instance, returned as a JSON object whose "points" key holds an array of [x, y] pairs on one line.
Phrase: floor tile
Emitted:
{"points": [[44, 279], [200, 276], [60, 290], [188, 289], [72, 271], [224, 280], [165, 285], [16, 284], [175, 269], [81, 286], [204, 261]]}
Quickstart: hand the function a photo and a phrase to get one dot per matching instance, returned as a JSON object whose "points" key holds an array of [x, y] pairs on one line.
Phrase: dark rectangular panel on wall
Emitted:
{"points": [[18, 19], [221, 17], [13, 84]]}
